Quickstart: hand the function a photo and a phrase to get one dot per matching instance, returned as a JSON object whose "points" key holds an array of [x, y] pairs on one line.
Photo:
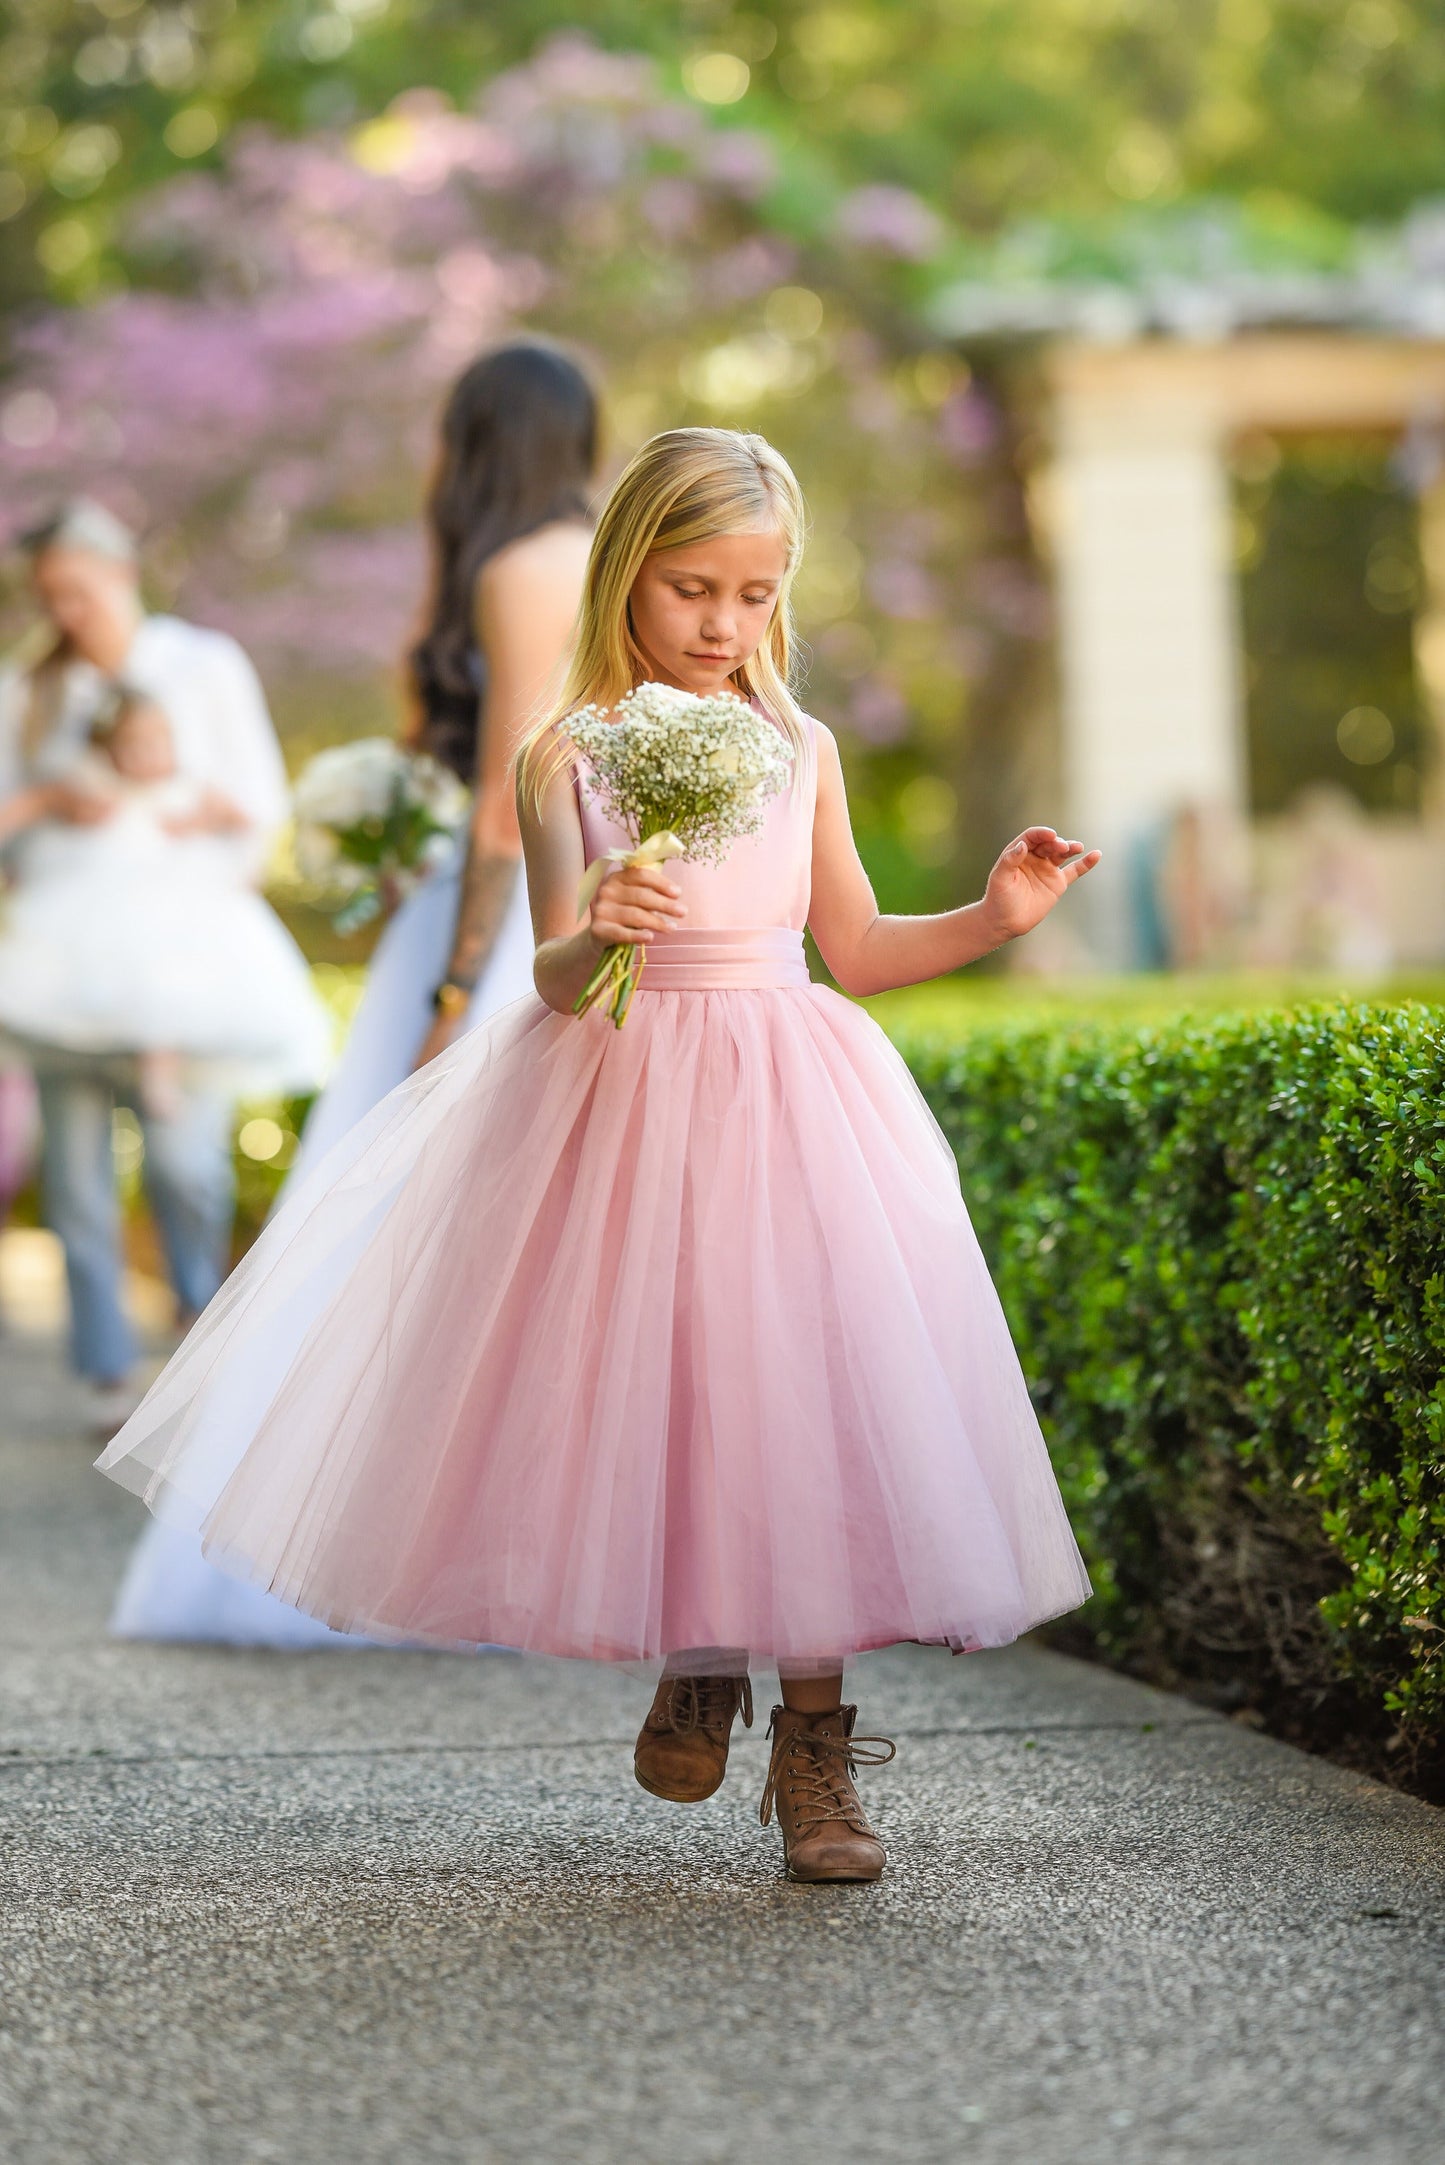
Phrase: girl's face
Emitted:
{"points": [[700, 612]]}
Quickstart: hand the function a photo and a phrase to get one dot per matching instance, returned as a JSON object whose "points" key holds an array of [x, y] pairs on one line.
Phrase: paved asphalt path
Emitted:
{"points": [[348, 1907]]}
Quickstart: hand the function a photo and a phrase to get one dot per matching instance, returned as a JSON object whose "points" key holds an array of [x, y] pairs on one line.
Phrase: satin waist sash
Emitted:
{"points": [[725, 958]]}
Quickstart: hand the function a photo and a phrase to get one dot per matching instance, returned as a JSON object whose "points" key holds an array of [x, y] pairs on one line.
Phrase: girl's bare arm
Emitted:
{"points": [[868, 952]]}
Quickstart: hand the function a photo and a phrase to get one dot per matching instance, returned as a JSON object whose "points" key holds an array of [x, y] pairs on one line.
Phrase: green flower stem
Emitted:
{"points": [[614, 980]]}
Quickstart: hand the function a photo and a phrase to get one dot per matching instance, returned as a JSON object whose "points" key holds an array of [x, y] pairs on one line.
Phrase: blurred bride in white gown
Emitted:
{"points": [[508, 521]]}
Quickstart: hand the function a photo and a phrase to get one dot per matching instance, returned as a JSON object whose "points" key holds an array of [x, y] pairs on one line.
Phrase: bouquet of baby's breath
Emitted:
{"points": [[687, 777], [372, 820]]}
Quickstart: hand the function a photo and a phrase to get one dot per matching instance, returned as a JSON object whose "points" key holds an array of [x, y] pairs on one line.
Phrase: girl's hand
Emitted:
{"points": [[1034, 872], [633, 904], [78, 807]]}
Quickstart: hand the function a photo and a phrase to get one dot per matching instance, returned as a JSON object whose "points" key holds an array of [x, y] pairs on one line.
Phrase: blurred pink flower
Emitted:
{"points": [[264, 408], [902, 589], [968, 426], [878, 711], [754, 266], [739, 160], [1012, 597], [672, 206], [893, 221]]}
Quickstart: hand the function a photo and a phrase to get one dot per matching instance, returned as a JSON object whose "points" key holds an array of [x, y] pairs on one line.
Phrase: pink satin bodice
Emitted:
{"points": [[745, 918]]}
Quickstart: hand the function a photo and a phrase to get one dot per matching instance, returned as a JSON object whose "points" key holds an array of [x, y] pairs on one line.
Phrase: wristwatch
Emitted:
{"points": [[450, 998]]}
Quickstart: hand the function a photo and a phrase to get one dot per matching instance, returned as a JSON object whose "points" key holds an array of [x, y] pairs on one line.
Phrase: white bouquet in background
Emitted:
{"points": [[372, 820], [687, 777]]}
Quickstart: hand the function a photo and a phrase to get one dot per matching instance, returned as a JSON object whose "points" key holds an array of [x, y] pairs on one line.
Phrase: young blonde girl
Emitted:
{"points": [[669, 1346]]}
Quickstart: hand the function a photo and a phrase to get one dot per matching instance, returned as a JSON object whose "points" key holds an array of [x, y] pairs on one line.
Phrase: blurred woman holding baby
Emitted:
{"points": [[141, 789]]}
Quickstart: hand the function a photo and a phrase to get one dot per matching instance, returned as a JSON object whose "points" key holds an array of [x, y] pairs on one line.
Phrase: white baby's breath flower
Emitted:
{"points": [[700, 768], [685, 776]]}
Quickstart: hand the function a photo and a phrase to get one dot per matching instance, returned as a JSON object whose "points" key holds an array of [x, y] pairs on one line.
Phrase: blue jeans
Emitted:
{"points": [[189, 1184]]}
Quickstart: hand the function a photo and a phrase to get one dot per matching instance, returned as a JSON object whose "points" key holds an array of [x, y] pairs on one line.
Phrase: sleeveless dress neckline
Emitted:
{"points": [[661, 1345]]}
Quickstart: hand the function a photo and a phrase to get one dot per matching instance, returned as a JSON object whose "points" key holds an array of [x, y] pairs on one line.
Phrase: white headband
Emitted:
{"points": [[83, 524]]}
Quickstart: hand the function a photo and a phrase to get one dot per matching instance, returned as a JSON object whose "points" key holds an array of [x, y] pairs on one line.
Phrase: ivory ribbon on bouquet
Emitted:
{"points": [[655, 850]]}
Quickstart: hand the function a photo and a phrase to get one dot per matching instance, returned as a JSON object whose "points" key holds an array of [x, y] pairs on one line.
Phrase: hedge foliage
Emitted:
{"points": [[1221, 1246]]}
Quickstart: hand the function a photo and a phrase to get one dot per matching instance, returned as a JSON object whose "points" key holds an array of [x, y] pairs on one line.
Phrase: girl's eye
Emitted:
{"points": [[757, 601], [688, 593]]}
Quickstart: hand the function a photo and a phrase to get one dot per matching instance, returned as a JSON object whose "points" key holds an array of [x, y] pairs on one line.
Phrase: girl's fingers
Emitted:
{"points": [[1048, 842], [616, 925], [1085, 864], [650, 877], [636, 888]]}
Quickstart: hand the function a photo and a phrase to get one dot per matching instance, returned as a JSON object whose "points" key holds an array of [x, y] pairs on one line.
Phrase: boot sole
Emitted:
{"points": [[835, 1879], [676, 1796]]}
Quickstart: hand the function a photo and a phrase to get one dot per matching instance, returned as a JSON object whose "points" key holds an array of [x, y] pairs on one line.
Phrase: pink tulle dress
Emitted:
{"points": [[670, 1345]]}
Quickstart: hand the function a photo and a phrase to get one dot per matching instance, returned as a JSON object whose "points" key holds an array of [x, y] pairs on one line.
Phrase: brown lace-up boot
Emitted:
{"points": [[810, 1785], [682, 1751]]}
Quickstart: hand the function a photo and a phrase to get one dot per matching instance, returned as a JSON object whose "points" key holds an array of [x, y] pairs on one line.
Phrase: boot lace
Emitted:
{"points": [[818, 1772], [709, 1702]]}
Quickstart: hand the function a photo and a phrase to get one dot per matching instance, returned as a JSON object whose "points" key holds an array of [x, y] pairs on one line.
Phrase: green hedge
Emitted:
{"points": [[1221, 1246]]}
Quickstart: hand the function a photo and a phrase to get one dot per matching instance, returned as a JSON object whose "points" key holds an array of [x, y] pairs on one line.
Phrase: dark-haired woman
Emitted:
{"points": [[507, 516]]}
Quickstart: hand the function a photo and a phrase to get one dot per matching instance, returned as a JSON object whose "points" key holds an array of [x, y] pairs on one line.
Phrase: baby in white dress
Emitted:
{"points": [[133, 935]]}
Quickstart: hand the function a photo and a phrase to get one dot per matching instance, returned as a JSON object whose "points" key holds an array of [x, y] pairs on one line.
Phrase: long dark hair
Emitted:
{"points": [[517, 447]]}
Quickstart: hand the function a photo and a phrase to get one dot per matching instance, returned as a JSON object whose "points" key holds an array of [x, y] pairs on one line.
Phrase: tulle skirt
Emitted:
{"points": [[638, 1346]]}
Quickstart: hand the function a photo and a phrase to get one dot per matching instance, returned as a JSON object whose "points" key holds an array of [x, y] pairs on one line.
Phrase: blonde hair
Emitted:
{"points": [[687, 485]]}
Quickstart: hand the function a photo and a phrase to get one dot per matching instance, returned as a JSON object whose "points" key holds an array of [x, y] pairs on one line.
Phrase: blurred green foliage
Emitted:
{"points": [[1221, 1248], [952, 1008], [901, 143], [989, 109]]}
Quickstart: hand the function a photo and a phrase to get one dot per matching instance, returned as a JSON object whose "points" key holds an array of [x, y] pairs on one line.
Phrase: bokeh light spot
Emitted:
{"points": [[793, 311], [28, 420], [325, 37], [102, 60], [262, 1140], [64, 247], [716, 78], [1365, 736], [192, 131], [385, 146], [927, 807]]}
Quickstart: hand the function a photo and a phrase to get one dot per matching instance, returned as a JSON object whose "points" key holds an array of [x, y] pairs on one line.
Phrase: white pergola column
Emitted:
{"points": [[1149, 638]]}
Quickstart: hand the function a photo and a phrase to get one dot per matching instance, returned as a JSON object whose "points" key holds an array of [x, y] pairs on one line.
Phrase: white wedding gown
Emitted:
{"points": [[125, 937], [169, 1590]]}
